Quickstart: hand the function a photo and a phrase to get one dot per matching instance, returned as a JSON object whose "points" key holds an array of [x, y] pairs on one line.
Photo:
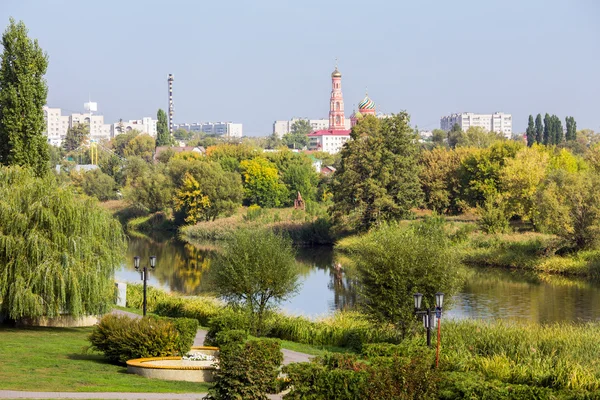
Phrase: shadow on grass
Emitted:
{"points": [[96, 358]]}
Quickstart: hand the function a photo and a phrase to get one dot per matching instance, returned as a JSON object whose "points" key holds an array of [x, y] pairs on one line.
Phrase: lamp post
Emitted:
{"points": [[431, 317], [144, 274]]}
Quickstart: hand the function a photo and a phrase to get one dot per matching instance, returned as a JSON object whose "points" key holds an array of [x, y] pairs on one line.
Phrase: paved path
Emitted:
{"points": [[289, 356]]}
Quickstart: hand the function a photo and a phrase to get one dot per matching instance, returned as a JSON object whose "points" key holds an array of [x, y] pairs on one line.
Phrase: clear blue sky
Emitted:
{"points": [[258, 61]]}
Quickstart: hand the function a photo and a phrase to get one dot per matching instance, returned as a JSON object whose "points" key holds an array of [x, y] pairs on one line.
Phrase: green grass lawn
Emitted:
{"points": [[54, 359]]}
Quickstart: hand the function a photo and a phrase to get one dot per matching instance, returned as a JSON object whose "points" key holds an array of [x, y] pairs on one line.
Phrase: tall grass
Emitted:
{"points": [[554, 356]]}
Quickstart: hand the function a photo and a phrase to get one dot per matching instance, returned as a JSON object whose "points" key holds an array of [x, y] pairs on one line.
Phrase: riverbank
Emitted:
{"points": [[554, 361]]}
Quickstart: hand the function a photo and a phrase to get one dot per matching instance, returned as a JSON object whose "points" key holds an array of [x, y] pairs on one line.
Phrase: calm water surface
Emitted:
{"points": [[487, 293]]}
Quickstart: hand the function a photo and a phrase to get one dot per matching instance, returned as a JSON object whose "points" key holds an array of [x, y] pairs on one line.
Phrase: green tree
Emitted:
{"points": [[95, 183], [571, 129], [569, 206], [146, 185], [191, 200], [520, 178], [530, 132], [23, 93], [261, 183], [163, 137], [438, 137], [394, 262], [454, 135], [539, 129], [222, 188], [477, 136], [378, 179], [59, 251], [120, 142], [548, 130], [273, 142], [300, 177], [141, 146], [558, 133], [439, 178], [76, 136], [256, 270], [479, 173], [297, 138], [182, 134]]}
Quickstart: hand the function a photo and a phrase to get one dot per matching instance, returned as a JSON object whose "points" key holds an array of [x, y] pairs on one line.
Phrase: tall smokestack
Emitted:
{"points": [[171, 104]]}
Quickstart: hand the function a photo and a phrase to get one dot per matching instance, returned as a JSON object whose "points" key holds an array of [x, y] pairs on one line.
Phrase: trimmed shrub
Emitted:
{"points": [[230, 337], [227, 320], [122, 338], [246, 370]]}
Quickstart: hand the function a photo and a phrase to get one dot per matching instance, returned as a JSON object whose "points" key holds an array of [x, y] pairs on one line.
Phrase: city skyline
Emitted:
{"points": [[272, 60]]}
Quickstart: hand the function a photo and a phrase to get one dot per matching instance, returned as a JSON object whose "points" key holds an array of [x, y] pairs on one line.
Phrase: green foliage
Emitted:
{"points": [[478, 137], [479, 173], [222, 189], [246, 370], [163, 138], [76, 136], [378, 177], [140, 146], [297, 138], [261, 183], [122, 338], [343, 376], [492, 217], [571, 129], [253, 213], [394, 262], [530, 133], [539, 129], [256, 270], [190, 199], [153, 297], [439, 178], [58, 251], [147, 185], [569, 206], [23, 93], [228, 320], [95, 183]]}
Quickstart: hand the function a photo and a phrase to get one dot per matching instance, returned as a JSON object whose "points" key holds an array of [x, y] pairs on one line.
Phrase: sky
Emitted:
{"points": [[259, 61]]}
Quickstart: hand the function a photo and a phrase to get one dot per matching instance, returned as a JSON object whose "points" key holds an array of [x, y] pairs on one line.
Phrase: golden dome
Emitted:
{"points": [[336, 74]]}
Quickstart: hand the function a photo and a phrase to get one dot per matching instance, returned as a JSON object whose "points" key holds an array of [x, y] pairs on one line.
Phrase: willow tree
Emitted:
{"points": [[58, 251]]}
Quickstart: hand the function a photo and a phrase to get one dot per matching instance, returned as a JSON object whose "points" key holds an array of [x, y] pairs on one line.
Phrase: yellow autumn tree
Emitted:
{"points": [[191, 200]]}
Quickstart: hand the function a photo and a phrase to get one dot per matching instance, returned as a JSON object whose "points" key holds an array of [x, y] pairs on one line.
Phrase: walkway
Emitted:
{"points": [[289, 356]]}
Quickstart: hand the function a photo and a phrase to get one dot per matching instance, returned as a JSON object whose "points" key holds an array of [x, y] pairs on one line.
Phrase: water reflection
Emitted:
{"points": [[487, 293]]}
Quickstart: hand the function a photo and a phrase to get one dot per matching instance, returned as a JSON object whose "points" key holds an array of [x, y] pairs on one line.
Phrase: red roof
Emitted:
{"points": [[331, 132]]}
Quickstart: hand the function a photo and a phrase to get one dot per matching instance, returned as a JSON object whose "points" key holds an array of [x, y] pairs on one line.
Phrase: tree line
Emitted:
{"points": [[550, 131]]}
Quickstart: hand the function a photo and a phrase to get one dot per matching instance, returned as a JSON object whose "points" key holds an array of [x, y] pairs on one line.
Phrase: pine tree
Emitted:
{"points": [[539, 129], [530, 132], [547, 129], [163, 138], [23, 92]]}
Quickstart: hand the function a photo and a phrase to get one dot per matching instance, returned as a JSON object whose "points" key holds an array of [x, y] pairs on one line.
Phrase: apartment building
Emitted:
{"points": [[497, 122]]}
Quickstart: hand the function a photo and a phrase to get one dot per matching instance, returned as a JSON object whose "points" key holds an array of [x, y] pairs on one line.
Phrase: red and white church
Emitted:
{"points": [[331, 140]]}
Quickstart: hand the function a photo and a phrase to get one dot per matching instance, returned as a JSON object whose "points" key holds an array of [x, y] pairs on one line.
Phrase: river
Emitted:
{"points": [[487, 293]]}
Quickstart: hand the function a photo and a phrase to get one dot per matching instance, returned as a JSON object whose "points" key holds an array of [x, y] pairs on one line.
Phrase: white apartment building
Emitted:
{"points": [[281, 128], [328, 141], [498, 122], [58, 124], [145, 125], [226, 129]]}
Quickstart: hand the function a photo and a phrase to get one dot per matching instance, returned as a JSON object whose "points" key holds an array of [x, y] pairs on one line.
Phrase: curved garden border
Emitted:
{"points": [[200, 373]]}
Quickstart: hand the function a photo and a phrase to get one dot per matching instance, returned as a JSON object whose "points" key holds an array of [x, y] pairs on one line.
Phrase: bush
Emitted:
{"points": [[343, 376], [187, 328], [246, 370], [199, 308], [135, 296], [226, 338], [492, 217], [122, 338], [253, 213], [227, 320]]}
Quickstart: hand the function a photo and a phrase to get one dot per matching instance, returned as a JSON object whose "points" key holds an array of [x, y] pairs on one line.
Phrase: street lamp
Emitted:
{"points": [[144, 274], [431, 317]]}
